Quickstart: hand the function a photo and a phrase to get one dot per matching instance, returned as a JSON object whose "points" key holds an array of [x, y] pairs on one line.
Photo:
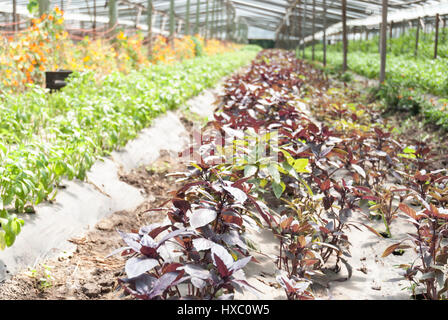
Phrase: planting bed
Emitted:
{"points": [[297, 188], [77, 268], [416, 82], [45, 138]]}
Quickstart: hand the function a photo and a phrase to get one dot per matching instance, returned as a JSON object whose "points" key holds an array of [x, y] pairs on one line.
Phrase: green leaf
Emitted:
{"points": [[10, 238], [196, 166], [273, 171], [59, 168], [40, 196], [33, 6], [310, 192], [409, 150], [290, 170], [3, 149], [250, 170], [407, 155], [278, 188], [2, 240], [288, 157], [300, 165]]}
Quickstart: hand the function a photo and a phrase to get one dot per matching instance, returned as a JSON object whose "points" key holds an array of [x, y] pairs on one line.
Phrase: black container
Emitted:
{"points": [[55, 80]]}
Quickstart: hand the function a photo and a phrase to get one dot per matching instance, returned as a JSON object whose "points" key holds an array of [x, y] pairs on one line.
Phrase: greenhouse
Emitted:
{"points": [[223, 150]]}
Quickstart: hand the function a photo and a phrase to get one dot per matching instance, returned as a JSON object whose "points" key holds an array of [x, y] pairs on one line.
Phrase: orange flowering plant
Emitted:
{"points": [[24, 56], [47, 46]]}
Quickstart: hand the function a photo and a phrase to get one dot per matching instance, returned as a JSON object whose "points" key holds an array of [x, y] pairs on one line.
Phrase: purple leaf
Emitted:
{"points": [[202, 217], [175, 234], [359, 170], [325, 151], [241, 263], [233, 238], [163, 283], [222, 269], [238, 194], [144, 283], [196, 271], [116, 251], [183, 205], [148, 229], [136, 266], [223, 254], [147, 241], [201, 244], [198, 283], [131, 240]]}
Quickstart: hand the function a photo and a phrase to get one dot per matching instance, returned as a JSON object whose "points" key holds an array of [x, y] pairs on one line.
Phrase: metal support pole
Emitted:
{"points": [[391, 29], [417, 36], [232, 25], [94, 18], [196, 27], [187, 19], [344, 35], [289, 32], [303, 30], [325, 34], [14, 14], [314, 29], [436, 40], [228, 21], [223, 19], [299, 25], [383, 42], [297, 30], [218, 20], [207, 34], [112, 15], [149, 9], [172, 23], [214, 18]]}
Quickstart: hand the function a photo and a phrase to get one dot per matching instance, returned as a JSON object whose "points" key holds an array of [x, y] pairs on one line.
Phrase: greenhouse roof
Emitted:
{"points": [[264, 17]]}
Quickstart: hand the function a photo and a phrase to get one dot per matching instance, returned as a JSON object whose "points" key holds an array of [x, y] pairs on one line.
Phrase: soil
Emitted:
{"points": [[86, 273]]}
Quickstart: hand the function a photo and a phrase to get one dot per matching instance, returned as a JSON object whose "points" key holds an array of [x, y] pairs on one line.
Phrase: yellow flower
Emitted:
{"points": [[121, 36]]}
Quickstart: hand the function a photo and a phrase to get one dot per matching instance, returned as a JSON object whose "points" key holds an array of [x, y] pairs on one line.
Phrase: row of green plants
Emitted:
{"points": [[46, 137], [397, 98], [406, 179], [306, 185], [409, 78], [404, 44], [428, 75]]}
